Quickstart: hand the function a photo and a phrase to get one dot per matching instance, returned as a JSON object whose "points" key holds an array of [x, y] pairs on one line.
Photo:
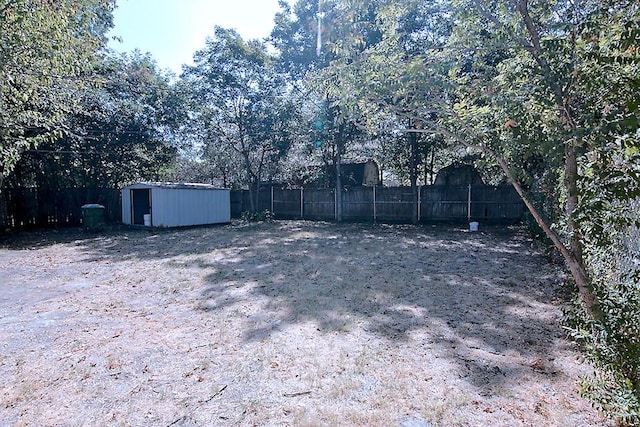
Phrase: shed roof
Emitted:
{"points": [[177, 185], [458, 174]]}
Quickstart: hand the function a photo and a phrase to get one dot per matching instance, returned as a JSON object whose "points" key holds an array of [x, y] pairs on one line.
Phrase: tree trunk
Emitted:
{"points": [[251, 199], [571, 187], [575, 265], [431, 174], [339, 144], [257, 195], [573, 254], [426, 173], [413, 174], [250, 182]]}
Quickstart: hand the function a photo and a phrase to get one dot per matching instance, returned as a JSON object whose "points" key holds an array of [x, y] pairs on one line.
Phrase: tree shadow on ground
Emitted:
{"points": [[480, 300], [473, 298], [118, 241], [44, 237]]}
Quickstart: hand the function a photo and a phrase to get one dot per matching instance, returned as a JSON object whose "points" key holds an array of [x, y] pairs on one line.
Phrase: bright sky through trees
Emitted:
{"points": [[172, 30]]}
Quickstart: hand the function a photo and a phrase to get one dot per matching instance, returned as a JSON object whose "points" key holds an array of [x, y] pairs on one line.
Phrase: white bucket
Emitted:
{"points": [[147, 220], [473, 226]]}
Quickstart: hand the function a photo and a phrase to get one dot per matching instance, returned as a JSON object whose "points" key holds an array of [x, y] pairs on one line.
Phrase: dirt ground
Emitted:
{"points": [[284, 323]]}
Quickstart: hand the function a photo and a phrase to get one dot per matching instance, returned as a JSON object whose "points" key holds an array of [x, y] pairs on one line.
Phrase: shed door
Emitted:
{"points": [[140, 205]]}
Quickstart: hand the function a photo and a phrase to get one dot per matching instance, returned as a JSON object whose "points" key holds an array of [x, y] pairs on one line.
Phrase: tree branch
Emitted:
{"points": [[577, 269], [7, 6]]}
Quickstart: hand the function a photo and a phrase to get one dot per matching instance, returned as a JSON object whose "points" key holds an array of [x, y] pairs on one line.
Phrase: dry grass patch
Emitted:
{"points": [[285, 323]]}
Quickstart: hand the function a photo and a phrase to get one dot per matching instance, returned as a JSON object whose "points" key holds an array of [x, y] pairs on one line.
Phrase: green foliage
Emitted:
{"points": [[263, 216], [380, 84], [612, 344], [609, 216], [609, 210], [121, 134], [241, 110], [345, 26], [47, 50]]}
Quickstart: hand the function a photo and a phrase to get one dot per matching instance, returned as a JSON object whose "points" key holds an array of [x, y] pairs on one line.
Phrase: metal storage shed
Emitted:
{"points": [[166, 204]]}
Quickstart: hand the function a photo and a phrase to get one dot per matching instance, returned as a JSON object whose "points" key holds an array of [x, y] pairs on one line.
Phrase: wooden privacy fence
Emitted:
{"points": [[33, 207], [481, 203]]}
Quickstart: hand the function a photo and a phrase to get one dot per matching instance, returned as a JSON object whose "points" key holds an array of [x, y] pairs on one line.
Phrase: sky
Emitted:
{"points": [[172, 30]]}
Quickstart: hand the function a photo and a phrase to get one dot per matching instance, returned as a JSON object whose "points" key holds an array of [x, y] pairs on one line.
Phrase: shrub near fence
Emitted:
{"points": [[487, 204], [33, 207]]}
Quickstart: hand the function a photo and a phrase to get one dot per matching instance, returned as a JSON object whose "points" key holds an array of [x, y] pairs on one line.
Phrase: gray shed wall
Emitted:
{"points": [[126, 206], [177, 207], [180, 207]]}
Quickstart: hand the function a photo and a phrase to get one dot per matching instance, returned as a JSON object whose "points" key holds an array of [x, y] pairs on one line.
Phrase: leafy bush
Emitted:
{"points": [[612, 342], [265, 215], [609, 224]]}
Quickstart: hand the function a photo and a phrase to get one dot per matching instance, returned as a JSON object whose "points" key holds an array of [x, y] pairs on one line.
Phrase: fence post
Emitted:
{"points": [[469, 205], [301, 203], [374, 203], [272, 211], [419, 201]]}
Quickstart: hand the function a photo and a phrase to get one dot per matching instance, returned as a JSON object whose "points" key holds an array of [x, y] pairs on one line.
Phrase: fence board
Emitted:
{"points": [[319, 204], [357, 204], [444, 203], [32, 207], [392, 204], [287, 203]]}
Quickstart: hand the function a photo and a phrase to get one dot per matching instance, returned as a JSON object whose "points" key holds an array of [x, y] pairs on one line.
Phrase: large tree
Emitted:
{"points": [[122, 132], [534, 87], [309, 36], [47, 50], [504, 75], [240, 104], [549, 92], [382, 61]]}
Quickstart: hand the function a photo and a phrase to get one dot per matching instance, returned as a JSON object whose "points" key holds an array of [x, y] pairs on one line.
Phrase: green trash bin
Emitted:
{"points": [[93, 216]]}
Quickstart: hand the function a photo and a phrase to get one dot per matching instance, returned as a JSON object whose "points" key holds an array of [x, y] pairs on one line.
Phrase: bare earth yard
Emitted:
{"points": [[284, 323]]}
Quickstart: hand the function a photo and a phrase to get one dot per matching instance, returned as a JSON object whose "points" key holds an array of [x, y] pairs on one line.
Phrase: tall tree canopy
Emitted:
{"points": [[47, 50], [239, 101], [549, 91], [122, 132], [309, 36]]}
